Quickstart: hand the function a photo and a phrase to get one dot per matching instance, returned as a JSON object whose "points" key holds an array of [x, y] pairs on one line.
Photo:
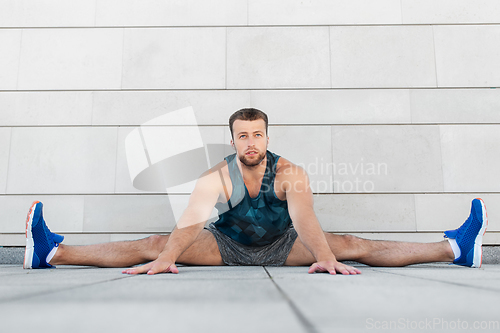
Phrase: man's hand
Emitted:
{"points": [[154, 267], [333, 267]]}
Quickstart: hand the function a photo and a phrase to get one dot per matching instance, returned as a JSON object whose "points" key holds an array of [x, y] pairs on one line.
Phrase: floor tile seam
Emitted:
{"points": [[201, 279], [440, 281], [219, 278], [179, 279], [13, 274], [138, 300], [24, 297], [306, 324], [175, 302]]}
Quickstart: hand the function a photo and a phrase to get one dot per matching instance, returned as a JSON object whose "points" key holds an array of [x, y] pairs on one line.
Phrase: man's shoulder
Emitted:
{"points": [[215, 171], [285, 168]]}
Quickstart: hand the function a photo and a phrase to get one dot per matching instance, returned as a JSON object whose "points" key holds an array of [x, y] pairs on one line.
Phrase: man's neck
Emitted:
{"points": [[252, 173]]}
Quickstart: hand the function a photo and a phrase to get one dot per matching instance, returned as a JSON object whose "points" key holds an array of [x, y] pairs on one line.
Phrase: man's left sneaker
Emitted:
{"points": [[39, 240], [469, 236]]}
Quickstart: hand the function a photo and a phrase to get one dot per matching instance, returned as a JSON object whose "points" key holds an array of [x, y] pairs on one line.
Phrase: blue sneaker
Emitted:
{"points": [[39, 240], [469, 236]]}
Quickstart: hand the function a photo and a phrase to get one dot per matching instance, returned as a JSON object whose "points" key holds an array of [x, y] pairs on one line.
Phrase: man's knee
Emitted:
{"points": [[355, 246], [345, 241], [156, 243], [347, 247], [351, 240]]}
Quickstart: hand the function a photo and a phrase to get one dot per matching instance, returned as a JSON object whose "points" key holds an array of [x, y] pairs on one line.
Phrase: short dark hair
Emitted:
{"points": [[248, 114]]}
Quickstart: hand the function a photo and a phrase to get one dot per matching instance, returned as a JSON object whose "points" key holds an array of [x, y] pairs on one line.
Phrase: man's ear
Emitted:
{"points": [[232, 144]]}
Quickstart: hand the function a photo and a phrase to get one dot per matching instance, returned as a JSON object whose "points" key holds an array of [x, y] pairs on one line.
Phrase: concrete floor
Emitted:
{"points": [[433, 297]]}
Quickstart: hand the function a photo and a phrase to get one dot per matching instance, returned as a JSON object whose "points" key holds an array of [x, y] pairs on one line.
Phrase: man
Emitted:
{"points": [[259, 195]]}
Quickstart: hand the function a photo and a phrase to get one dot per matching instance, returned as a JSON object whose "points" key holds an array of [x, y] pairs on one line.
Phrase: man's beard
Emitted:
{"points": [[254, 161]]}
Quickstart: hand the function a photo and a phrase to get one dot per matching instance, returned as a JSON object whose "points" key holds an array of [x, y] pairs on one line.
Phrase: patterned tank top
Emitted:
{"points": [[253, 221]]}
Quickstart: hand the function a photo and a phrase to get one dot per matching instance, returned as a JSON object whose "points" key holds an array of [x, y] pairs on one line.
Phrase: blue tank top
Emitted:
{"points": [[253, 221]]}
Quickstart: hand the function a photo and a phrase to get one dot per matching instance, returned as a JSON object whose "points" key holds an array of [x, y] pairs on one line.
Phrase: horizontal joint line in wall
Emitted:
{"points": [[225, 125], [89, 194], [187, 194], [253, 25], [241, 89], [112, 125], [168, 232], [409, 193], [98, 233]]}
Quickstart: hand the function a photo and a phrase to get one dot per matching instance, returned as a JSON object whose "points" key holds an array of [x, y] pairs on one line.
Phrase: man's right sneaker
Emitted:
{"points": [[469, 236], [39, 240]]}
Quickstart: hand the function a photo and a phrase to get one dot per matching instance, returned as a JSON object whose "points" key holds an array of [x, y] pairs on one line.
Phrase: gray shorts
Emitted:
{"points": [[234, 253]]}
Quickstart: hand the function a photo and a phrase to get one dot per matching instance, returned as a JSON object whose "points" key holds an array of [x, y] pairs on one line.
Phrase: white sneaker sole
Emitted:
{"points": [[30, 244], [478, 243]]}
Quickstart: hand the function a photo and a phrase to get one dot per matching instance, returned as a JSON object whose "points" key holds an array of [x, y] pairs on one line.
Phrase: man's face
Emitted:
{"points": [[250, 141]]}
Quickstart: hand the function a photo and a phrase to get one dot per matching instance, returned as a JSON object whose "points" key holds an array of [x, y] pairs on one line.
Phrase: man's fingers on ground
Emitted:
{"points": [[157, 269], [138, 270], [343, 270], [317, 268], [350, 270], [314, 268], [131, 271], [354, 271], [161, 269]]}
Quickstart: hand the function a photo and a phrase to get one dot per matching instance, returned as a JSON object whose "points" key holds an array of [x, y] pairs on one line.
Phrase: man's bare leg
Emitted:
{"points": [[466, 241], [374, 252], [204, 251]]}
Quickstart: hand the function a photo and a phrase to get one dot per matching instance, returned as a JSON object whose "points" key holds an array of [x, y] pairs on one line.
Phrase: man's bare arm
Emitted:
{"points": [[189, 226], [300, 207]]}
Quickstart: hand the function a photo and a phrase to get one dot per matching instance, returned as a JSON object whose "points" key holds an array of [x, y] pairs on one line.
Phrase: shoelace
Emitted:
{"points": [[465, 225], [48, 234]]}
